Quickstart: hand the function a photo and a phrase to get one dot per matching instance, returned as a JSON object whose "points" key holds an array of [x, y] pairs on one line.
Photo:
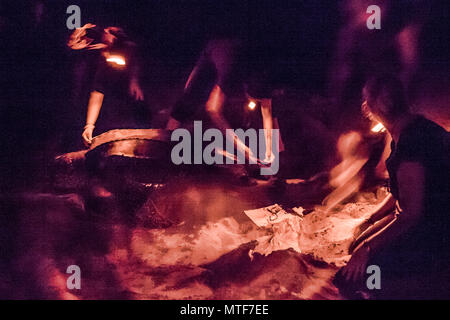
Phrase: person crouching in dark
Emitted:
{"points": [[116, 102], [116, 82], [228, 66], [411, 249]]}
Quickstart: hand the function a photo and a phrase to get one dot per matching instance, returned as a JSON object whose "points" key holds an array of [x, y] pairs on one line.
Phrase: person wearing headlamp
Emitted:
{"points": [[116, 81], [413, 241], [228, 67]]}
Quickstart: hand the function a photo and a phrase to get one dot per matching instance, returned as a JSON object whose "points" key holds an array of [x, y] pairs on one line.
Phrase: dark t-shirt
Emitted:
{"points": [[424, 249], [112, 79], [119, 110], [425, 142]]}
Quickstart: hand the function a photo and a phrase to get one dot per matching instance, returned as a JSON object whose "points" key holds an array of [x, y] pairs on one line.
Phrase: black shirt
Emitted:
{"points": [[425, 142], [112, 79], [120, 110]]}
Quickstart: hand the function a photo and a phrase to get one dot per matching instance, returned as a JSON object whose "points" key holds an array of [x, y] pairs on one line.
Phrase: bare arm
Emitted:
{"points": [[266, 112], [411, 180], [135, 87], [214, 107], [383, 215], [94, 106], [384, 208]]}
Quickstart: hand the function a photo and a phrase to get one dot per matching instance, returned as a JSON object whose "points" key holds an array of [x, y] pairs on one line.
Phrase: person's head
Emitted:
{"points": [[87, 37], [113, 35], [384, 99], [92, 37]]}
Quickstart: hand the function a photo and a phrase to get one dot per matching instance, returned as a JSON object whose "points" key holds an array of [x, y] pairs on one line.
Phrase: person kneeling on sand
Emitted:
{"points": [[409, 244]]}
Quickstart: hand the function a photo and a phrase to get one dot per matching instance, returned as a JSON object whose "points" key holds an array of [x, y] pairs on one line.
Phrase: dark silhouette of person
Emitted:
{"points": [[414, 242], [115, 81], [362, 53]]}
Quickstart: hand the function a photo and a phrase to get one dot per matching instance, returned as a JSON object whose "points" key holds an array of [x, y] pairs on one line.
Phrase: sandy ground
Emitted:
{"points": [[212, 251]]}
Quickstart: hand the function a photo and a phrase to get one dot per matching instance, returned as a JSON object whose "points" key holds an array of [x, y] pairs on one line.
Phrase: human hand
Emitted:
{"points": [[136, 91], [269, 158], [87, 134]]}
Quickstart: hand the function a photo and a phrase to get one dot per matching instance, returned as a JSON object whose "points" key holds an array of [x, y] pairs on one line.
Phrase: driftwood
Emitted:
{"points": [[135, 143]]}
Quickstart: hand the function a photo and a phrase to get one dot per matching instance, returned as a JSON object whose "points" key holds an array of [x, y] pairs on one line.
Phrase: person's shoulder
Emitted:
{"points": [[423, 139], [423, 128]]}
